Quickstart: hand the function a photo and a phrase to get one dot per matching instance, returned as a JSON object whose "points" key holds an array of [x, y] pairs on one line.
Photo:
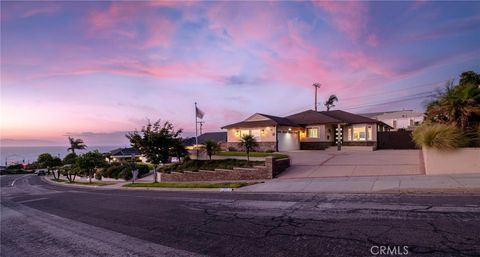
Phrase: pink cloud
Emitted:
{"points": [[349, 17], [117, 19]]}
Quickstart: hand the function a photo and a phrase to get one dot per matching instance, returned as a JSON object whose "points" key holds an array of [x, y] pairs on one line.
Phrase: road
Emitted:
{"points": [[41, 219]]}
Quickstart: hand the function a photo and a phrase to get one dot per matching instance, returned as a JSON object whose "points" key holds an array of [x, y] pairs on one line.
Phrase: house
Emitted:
{"points": [[404, 119], [308, 130], [217, 137], [123, 154]]}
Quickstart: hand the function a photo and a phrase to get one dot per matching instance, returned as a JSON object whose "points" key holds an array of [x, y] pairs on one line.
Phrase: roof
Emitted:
{"points": [[213, 136], [310, 117], [270, 121], [348, 117], [124, 151]]}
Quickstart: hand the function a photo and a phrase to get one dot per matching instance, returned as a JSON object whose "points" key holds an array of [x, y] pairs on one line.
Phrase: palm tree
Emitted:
{"points": [[330, 102], [76, 144], [249, 143], [456, 104], [211, 147]]}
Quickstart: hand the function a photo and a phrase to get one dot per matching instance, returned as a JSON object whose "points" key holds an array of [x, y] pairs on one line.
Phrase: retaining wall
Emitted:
{"points": [[272, 168], [459, 161]]}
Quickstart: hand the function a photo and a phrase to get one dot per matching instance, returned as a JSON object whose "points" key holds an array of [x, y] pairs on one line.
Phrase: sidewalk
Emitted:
{"points": [[372, 184]]}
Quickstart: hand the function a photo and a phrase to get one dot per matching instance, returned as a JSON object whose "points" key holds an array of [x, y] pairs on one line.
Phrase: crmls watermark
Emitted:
{"points": [[389, 250]]}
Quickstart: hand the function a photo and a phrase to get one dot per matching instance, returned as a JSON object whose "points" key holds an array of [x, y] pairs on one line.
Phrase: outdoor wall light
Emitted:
{"points": [[262, 131], [237, 133]]}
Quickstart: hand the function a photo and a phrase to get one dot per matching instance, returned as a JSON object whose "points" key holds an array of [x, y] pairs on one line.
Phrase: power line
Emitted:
{"points": [[395, 101], [373, 95]]}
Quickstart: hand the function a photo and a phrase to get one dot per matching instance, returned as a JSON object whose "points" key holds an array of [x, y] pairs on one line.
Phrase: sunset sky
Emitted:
{"points": [[97, 69]]}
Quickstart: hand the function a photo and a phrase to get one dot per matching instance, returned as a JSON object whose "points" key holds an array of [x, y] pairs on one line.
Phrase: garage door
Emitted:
{"points": [[288, 141]]}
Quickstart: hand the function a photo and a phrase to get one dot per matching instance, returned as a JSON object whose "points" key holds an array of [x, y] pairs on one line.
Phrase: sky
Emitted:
{"points": [[96, 70]]}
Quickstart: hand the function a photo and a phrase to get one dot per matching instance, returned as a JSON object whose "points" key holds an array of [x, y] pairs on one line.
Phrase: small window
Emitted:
{"points": [[312, 132]]}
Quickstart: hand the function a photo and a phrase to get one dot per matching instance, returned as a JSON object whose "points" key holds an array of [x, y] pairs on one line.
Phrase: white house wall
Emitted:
{"points": [[268, 135]]}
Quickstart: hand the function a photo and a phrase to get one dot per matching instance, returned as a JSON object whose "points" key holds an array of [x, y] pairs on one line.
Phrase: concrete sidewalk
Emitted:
{"points": [[372, 184]]}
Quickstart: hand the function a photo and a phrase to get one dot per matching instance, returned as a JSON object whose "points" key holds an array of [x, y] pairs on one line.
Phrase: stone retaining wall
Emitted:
{"points": [[272, 168], [262, 146]]}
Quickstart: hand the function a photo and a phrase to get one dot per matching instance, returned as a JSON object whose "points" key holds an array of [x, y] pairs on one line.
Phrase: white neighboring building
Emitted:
{"points": [[405, 119]]}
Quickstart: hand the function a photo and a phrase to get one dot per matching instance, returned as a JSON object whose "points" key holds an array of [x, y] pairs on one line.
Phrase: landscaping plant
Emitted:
{"points": [[249, 143]]}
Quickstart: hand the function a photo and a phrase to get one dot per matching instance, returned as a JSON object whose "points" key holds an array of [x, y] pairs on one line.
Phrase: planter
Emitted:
{"points": [[459, 161]]}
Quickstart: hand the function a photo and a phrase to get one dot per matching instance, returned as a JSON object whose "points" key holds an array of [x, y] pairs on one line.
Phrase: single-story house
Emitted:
{"points": [[308, 130], [217, 137], [123, 154]]}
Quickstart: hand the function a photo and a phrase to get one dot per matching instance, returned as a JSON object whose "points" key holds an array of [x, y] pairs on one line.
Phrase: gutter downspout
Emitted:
{"points": [[276, 138]]}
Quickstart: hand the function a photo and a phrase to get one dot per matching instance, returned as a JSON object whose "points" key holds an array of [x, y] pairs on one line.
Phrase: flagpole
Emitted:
{"points": [[196, 130]]}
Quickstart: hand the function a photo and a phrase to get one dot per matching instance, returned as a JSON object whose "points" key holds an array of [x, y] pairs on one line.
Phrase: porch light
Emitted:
{"points": [[237, 133], [289, 129], [262, 131]]}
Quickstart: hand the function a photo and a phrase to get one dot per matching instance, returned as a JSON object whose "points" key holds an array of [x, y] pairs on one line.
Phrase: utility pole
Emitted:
{"points": [[316, 86]]}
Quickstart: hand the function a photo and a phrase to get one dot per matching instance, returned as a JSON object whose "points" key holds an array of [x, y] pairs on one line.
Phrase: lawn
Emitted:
{"points": [[192, 185], [94, 183], [195, 165], [252, 154]]}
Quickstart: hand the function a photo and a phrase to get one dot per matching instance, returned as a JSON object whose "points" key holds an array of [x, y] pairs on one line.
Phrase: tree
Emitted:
{"points": [[330, 102], [211, 147], [157, 142], [76, 144], [178, 149], [70, 169], [457, 104], [88, 162], [249, 143], [47, 161], [70, 158]]}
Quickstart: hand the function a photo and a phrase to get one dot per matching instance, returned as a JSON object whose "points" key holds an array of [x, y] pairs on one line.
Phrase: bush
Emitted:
{"points": [[232, 149], [439, 136], [269, 151], [143, 169], [195, 165]]}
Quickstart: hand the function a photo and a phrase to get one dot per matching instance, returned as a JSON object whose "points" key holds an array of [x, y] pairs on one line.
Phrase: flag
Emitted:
{"points": [[199, 113]]}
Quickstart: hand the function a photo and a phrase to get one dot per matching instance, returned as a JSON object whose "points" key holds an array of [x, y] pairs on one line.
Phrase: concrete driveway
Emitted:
{"points": [[350, 163]]}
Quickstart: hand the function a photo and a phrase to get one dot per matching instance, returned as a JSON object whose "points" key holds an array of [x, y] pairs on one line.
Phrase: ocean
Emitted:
{"points": [[28, 154]]}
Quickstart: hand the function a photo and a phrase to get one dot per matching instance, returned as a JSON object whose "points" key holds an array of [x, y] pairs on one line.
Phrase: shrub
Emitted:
{"points": [[439, 136], [195, 165], [143, 169], [269, 151], [232, 149]]}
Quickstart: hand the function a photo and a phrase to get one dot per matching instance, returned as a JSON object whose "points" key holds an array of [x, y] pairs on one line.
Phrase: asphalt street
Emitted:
{"points": [[41, 219]]}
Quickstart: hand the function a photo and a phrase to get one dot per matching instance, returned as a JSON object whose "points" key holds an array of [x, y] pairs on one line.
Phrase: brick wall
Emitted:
{"points": [[272, 168]]}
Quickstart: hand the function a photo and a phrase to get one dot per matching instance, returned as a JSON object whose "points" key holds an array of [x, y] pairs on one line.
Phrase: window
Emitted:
{"points": [[255, 133], [359, 134], [394, 124], [370, 133], [349, 134], [312, 132]]}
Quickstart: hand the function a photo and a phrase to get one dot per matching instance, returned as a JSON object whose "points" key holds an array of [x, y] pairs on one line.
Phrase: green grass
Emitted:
{"points": [[195, 165], [94, 183], [191, 185], [252, 154]]}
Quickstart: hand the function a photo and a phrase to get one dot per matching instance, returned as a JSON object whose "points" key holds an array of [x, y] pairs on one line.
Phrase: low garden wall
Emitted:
{"points": [[272, 168], [463, 160], [262, 146]]}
